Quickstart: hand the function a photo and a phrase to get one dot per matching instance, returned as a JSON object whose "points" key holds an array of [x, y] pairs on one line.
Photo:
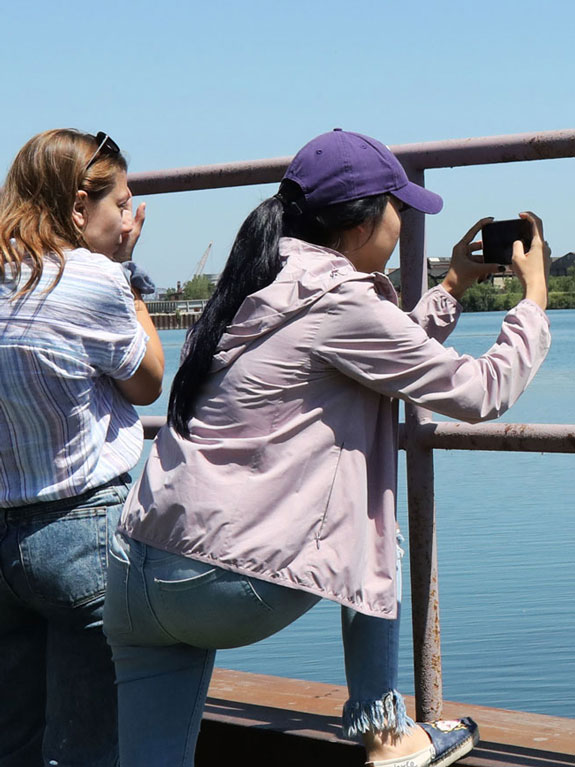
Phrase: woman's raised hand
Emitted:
{"points": [[464, 269], [132, 225], [532, 268]]}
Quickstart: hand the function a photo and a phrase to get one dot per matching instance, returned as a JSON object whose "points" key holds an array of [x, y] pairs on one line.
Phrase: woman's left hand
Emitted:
{"points": [[464, 270], [129, 240]]}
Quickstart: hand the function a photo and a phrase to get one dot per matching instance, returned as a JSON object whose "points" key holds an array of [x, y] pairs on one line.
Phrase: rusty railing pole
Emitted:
{"points": [[420, 495]]}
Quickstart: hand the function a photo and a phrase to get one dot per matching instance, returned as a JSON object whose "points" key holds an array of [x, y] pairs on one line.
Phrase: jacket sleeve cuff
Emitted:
{"points": [[437, 312]]}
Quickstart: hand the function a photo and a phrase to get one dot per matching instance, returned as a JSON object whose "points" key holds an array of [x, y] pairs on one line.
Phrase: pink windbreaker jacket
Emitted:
{"points": [[290, 472]]}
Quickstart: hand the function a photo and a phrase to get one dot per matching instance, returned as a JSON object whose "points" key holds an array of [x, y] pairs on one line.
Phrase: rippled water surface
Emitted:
{"points": [[506, 547]]}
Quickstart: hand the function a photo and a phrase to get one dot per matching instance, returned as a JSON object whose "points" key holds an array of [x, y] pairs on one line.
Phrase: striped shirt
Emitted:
{"points": [[64, 425]]}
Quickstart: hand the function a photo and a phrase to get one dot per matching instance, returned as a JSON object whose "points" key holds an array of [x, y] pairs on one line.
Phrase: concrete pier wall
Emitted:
{"points": [[175, 320]]}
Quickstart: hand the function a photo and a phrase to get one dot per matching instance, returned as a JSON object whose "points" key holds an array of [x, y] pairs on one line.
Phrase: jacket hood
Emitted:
{"points": [[308, 273]]}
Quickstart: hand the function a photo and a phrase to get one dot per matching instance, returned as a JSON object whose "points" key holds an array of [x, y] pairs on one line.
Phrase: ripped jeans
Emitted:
{"points": [[165, 617]]}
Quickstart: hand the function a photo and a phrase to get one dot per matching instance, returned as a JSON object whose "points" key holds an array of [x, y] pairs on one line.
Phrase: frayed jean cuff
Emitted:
{"points": [[387, 714]]}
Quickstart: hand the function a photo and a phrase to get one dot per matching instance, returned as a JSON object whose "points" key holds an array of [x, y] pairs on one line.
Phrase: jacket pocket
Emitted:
{"points": [[323, 519]]}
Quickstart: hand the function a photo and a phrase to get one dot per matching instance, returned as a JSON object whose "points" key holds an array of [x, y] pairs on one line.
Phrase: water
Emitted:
{"points": [[506, 549]]}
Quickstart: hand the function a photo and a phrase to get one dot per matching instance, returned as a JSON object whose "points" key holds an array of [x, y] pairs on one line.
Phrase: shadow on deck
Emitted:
{"points": [[263, 720]]}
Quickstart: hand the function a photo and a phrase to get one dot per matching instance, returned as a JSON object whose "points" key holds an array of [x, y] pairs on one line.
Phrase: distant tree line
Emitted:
{"points": [[486, 297], [481, 297], [196, 289]]}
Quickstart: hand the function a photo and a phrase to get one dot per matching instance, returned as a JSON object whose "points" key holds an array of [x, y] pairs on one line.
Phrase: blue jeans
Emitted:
{"points": [[165, 617], [58, 701]]}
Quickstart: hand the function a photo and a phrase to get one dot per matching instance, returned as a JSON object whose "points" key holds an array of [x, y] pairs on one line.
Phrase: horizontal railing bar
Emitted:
{"points": [[509, 437], [519, 147], [209, 176], [152, 425], [546, 145]]}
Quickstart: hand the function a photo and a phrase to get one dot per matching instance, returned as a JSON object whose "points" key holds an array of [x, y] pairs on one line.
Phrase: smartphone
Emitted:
{"points": [[498, 238]]}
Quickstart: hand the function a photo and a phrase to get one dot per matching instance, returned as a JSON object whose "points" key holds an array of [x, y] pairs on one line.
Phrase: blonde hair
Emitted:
{"points": [[38, 197]]}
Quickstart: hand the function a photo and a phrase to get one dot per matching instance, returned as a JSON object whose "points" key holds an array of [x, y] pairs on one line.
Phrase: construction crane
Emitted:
{"points": [[202, 262]]}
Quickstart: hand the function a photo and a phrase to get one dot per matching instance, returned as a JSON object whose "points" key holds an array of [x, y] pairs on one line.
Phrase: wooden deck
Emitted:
{"points": [[252, 719]]}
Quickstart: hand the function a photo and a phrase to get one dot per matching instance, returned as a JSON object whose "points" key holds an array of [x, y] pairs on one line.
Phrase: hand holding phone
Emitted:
{"points": [[531, 266], [498, 238], [465, 269]]}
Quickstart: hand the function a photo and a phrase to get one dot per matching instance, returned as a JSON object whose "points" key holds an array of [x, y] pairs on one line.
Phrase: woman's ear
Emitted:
{"points": [[351, 239], [79, 214]]}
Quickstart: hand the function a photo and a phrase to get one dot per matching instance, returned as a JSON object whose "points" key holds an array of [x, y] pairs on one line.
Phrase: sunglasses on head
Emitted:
{"points": [[106, 145]]}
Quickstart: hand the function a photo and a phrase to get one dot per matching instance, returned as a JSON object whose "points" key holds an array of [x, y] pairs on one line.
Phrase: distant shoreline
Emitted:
{"points": [[183, 321]]}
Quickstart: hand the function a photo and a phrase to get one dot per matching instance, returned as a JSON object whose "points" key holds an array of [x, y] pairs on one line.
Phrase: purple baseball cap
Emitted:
{"points": [[340, 166]]}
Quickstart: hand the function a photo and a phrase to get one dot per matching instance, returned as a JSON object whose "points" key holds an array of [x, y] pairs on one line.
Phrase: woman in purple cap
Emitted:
{"points": [[274, 483]]}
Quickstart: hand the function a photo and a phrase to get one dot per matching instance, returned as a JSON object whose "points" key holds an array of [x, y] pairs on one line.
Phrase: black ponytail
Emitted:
{"points": [[254, 262]]}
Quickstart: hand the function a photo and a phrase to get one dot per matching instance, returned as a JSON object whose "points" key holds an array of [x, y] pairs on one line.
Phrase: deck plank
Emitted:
{"points": [[310, 711]]}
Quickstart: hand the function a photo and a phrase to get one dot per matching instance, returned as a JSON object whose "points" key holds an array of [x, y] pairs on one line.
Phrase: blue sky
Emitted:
{"points": [[191, 83]]}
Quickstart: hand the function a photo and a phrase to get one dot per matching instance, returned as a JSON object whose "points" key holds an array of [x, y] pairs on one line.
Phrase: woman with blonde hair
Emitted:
{"points": [[77, 351]]}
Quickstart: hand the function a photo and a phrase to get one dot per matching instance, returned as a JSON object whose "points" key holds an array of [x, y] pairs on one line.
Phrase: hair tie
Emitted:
{"points": [[291, 207]]}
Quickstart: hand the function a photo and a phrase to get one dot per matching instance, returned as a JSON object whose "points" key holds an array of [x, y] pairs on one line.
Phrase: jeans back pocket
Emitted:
{"points": [[64, 556]]}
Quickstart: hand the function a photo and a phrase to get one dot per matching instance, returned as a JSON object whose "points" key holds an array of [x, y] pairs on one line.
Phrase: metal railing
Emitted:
{"points": [[419, 436]]}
